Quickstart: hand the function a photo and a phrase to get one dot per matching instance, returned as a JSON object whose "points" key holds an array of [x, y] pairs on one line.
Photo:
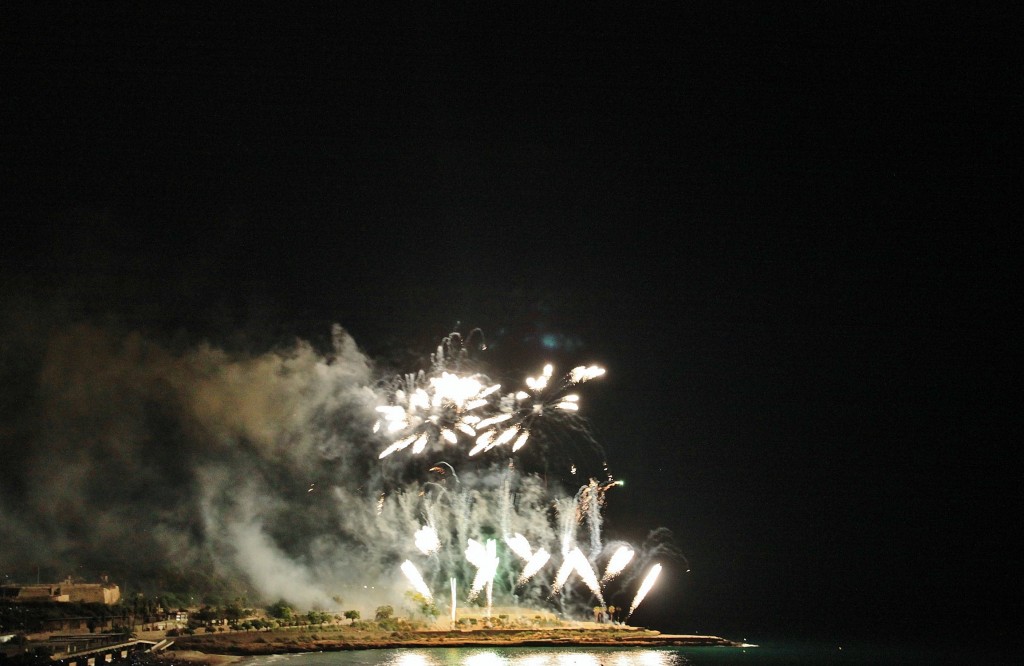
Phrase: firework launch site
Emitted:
{"points": [[193, 649], [213, 642], [473, 510]]}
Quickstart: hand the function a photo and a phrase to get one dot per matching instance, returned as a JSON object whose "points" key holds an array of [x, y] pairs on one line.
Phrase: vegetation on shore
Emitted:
{"points": [[216, 636], [370, 635]]}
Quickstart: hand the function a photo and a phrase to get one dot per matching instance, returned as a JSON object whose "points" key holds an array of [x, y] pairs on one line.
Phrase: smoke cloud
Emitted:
{"points": [[246, 473]]}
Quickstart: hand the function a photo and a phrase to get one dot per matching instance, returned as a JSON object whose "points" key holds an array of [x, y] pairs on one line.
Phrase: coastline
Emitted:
{"points": [[222, 649]]}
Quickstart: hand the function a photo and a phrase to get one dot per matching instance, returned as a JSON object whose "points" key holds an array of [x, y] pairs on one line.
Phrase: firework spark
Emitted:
{"points": [[427, 410], [576, 561], [442, 407], [519, 545], [259, 433], [453, 586], [620, 558], [542, 400], [485, 558], [454, 520], [645, 587], [426, 540], [413, 574], [534, 564]]}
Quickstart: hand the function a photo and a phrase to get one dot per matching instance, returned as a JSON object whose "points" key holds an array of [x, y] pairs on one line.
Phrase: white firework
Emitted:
{"points": [[452, 519], [446, 405], [519, 545], [543, 399], [620, 558], [429, 410], [645, 587], [484, 557], [426, 540], [576, 561], [413, 574], [534, 564]]}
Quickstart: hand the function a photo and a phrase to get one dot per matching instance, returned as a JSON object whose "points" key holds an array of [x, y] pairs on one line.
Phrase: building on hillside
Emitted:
{"points": [[66, 591]]}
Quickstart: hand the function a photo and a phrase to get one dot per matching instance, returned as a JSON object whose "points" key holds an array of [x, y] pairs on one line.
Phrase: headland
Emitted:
{"points": [[227, 647]]}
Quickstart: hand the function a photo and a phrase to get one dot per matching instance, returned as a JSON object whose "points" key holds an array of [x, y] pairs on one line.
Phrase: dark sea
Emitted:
{"points": [[775, 655]]}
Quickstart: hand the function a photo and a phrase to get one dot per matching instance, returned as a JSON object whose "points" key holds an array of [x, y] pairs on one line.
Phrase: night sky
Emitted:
{"points": [[785, 232]]}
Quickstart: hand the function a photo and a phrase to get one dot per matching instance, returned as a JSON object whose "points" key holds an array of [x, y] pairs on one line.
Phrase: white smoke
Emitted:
{"points": [[135, 457]]}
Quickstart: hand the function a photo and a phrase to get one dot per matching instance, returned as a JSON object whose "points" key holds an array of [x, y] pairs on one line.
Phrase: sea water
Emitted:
{"points": [[795, 654]]}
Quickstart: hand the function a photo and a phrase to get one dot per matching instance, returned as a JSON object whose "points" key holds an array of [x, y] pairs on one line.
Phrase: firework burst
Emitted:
{"points": [[493, 531], [448, 406]]}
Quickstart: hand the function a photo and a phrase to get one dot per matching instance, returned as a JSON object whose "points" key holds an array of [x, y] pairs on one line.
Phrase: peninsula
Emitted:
{"points": [[219, 648]]}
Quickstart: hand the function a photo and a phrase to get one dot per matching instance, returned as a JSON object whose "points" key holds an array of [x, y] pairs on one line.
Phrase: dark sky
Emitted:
{"points": [[785, 232]]}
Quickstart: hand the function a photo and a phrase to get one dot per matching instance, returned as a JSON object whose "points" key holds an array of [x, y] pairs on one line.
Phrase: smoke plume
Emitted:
{"points": [[187, 466]]}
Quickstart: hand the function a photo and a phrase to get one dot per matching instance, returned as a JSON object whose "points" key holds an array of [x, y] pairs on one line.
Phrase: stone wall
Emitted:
{"points": [[93, 593]]}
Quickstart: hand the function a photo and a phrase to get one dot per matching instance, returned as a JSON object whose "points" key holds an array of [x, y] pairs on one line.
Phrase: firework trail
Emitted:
{"points": [[485, 558], [534, 564], [620, 558], [590, 501], [645, 587], [563, 574], [413, 574], [453, 586], [520, 545], [576, 561], [566, 508]]}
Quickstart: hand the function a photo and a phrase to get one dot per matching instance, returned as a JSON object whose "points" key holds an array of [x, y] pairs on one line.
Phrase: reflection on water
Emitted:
{"points": [[782, 654], [489, 657], [513, 657]]}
